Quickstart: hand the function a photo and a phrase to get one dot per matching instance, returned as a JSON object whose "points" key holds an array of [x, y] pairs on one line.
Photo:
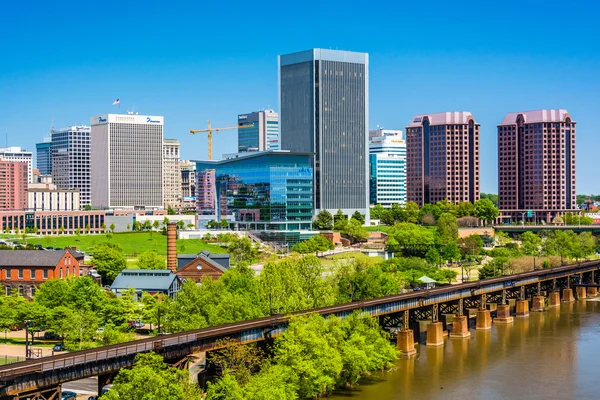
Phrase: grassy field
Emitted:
{"points": [[132, 244]]}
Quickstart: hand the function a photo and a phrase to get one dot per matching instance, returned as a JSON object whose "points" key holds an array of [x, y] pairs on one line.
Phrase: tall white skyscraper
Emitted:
{"points": [[71, 163], [387, 160], [127, 161], [260, 132], [171, 173], [20, 155], [324, 109]]}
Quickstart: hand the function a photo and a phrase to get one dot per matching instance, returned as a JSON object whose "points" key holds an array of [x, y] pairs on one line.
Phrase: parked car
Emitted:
{"points": [[68, 395], [58, 347], [51, 336], [105, 389], [136, 324]]}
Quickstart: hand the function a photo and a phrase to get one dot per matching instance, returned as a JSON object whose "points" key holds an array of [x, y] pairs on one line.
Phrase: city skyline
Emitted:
{"points": [[488, 67]]}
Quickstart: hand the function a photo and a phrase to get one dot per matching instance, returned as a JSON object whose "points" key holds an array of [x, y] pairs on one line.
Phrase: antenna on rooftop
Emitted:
{"points": [[52, 126]]}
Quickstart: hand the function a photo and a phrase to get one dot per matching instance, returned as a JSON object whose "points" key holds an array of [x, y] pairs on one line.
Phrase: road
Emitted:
{"points": [[84, 387]]}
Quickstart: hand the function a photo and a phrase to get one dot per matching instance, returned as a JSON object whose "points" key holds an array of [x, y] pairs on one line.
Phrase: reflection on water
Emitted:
{"points": [[550, 355]]}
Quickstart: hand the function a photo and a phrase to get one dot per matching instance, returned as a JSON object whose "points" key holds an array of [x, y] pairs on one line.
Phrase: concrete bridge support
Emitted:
{"points": [[484, 320], [592, 292], [435, 334], [503, 315], [567, 295], [554, 299], [522, 308], [538, 303], [460, 327], [406, 342], [581, 293]]}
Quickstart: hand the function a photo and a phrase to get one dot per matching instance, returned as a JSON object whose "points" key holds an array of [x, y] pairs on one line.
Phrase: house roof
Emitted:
{"points": [[426, 279], [207, 257], [30, 258], [144, 279]]}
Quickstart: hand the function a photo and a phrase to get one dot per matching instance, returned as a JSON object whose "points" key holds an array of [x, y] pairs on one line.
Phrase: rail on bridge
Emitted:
{"points": [[403, 313]]}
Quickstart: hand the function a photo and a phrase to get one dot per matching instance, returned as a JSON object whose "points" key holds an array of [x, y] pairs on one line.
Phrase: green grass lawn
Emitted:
{"points": [[132, 244], [9, 360]]}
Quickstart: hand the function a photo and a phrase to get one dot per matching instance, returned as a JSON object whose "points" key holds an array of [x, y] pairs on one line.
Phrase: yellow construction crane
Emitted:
{"points": [[210, 130]]}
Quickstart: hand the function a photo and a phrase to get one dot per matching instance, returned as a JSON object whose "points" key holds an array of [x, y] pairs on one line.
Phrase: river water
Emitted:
{"points": [[550, 355]]}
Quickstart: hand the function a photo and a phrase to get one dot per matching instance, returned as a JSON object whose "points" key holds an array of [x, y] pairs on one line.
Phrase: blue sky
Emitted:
{"points": [[192, 62]]}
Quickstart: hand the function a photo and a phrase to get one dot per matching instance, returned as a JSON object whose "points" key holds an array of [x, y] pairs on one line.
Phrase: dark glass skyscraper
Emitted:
{"points": [[43, 157], [324, 109]]}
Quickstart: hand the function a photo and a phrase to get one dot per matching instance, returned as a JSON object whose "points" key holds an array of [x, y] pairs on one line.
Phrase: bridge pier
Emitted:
{"points": [[538, 303], [567, 295], [522, 308], [484, 320], [435, 334], [554, 299], [503, 315], [460, 327], [103, 380], [592, 292], [581, 292], [405, 342]]}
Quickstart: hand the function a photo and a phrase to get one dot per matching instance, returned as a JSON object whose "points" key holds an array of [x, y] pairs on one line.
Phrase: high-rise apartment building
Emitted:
{"points": [[13, 185], [127, 161], [171, 173], [43, 157], [536, 164], [260, 132], [442, 154], [71, 161], [19, 155], [387, 163], [324, 109]]}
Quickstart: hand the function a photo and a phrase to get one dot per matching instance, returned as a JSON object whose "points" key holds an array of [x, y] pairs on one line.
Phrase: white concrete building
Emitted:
{"points": [[127, 161], [21, 155], [387, 163], [47, 197], [171, 174]]}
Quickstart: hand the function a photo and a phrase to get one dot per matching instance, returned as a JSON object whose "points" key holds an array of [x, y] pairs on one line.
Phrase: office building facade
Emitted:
{"points": [[71, 161], [127, 161], [536, 164], [188, 179], [260, 131], [13, 185], [171, 174], [387, 163], [53, 222], [19, 154], [271, 190], [324, 106], [443, 158], [47, 197], [43, 157]]}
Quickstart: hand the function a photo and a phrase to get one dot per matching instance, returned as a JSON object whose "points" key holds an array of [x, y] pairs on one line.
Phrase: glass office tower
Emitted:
{"points": [[44, 157], [270, 190], [324, 105]]}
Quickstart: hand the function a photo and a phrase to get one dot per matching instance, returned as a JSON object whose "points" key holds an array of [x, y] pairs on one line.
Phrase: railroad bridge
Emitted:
{"points": [[425, 315]]}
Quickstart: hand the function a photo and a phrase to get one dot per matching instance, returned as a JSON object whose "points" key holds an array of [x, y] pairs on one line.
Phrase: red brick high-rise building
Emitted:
{"points": [[536, 165], [13, 185], [442, 158]]}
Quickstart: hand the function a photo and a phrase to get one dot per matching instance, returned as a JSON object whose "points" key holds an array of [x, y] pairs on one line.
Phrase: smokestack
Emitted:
{"points": [[172, 246]]}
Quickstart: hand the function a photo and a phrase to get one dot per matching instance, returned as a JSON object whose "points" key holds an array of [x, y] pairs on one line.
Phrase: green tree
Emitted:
{"points": [[151, 260], [170, 211], [87, 207], [272, 382], [530, 243], [447, 207], [128, 227], [447, 228], [410, 239], [323, 221], [152, 379], [587, 244], [225, 388], [109, 260], [377, 211], [242, 251], [355, 232], [470, 245], [360, 280], [112, 228], [315, 244], [451, 252], [485, 210], [492, 197], [339, 221], [465, 209], [433, 209], [359, 217], [180, 224], [137, 226], [224, 224], [147, 225], [237, 359], [156, 225], [412, 212], [433, 256], [561, 243]]}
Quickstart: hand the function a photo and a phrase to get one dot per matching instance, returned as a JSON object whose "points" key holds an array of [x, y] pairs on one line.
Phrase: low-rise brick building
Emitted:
{"points": [[23, 271]]}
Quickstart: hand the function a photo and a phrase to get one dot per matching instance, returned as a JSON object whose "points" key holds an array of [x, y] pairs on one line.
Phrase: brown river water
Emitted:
{"points": [[550, 355]]}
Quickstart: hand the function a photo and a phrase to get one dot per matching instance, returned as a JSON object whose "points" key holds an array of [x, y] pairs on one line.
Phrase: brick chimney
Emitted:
{"points": [[172, 246]]}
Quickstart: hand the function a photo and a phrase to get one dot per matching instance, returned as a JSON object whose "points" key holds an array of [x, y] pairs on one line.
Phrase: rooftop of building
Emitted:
{"points": [[31, 258], [536, 116], [14, 149], [323, 54], [171, 141], [144, 279], [443, 118], [73, 128], [253, 154]]}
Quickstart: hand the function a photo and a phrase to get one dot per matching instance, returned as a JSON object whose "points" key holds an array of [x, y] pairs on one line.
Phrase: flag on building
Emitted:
{"points": [[116, 102]]}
